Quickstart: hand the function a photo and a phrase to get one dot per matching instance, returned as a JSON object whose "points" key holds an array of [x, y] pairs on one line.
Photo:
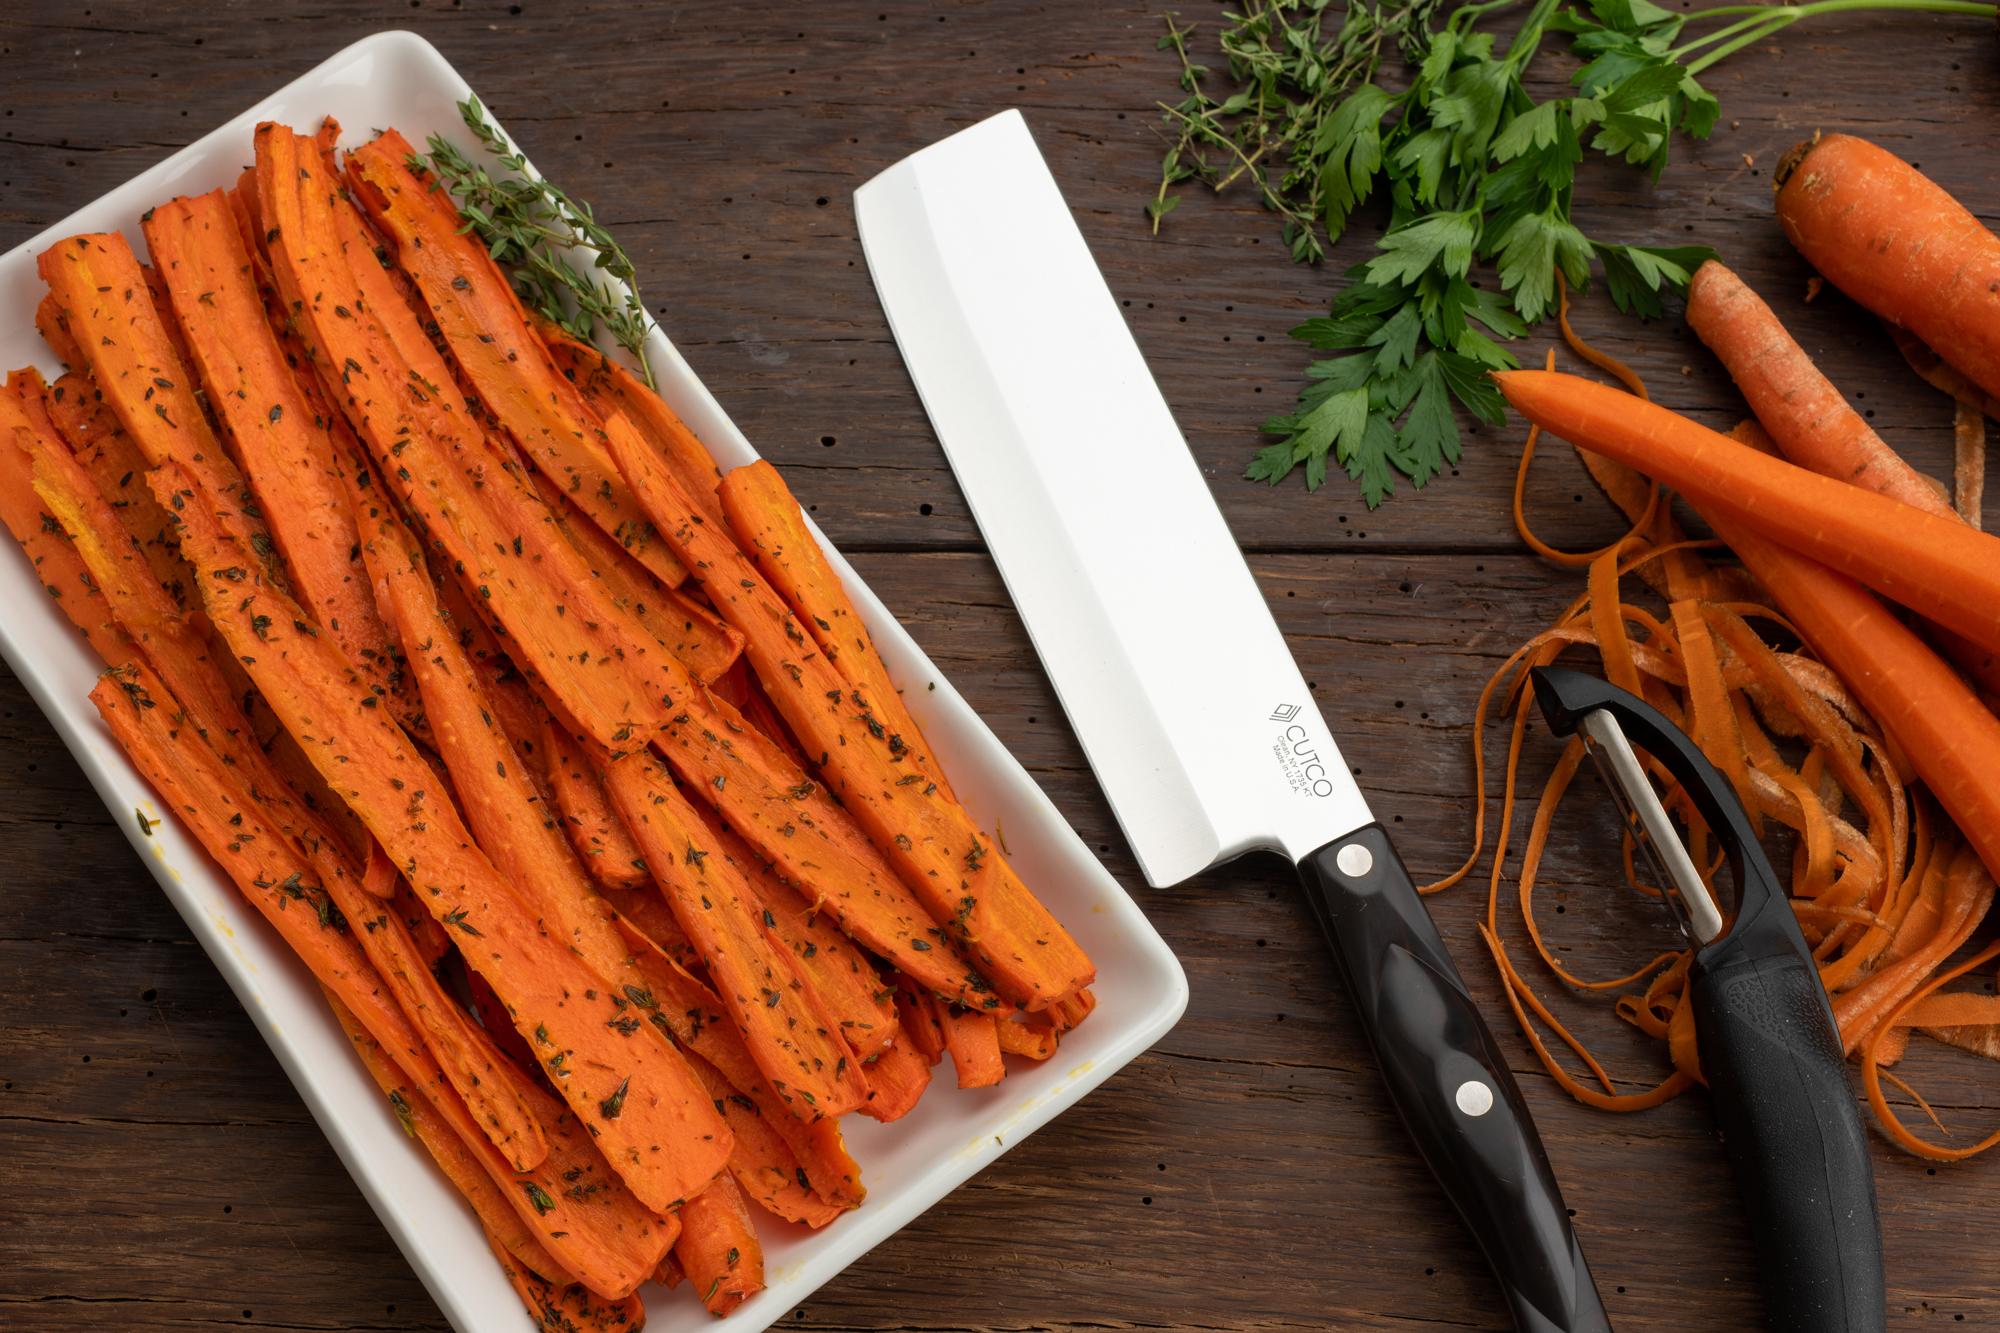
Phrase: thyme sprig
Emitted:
{"points": [[548, 241]]}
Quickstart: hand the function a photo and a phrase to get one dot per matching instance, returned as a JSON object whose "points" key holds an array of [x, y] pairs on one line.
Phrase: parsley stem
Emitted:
{"points": [[1762, 21]]}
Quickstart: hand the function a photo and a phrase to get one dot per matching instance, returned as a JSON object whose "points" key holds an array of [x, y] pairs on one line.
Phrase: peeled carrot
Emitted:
{"points": [[480, 319], [1899, 244], [768, 521], [689, 1010], [1807, 416], [1031, 1040], [576, 1207], [422, 1123], [611, 391], [974, 1042], [1932, 564], [795, 1041], [107, 311], [1946, 733], [762, 1162], [896, 1080], [567, 1306], [826, 958], [718, 1248], [651, 1120], [592, 826], [968, 886], [284, 445], [495, 533]]}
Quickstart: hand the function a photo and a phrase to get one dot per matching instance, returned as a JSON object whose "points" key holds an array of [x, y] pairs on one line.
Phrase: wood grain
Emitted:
{"points": [[158, 1169]]}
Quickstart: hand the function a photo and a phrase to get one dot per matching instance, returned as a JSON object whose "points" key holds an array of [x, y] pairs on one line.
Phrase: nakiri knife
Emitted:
{"points": [[1167, 661]]}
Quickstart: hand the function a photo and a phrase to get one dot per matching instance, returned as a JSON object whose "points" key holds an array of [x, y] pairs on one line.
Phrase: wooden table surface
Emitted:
{"points": [[158, 1171]]}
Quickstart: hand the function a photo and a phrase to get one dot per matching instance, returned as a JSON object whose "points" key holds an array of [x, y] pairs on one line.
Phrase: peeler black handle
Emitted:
{"points": [[1770, 1052], [1790, 1126], [1450, 1081]]}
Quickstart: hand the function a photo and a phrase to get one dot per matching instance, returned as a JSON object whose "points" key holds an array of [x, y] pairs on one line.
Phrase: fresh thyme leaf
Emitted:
{"points": [[562, 261]]}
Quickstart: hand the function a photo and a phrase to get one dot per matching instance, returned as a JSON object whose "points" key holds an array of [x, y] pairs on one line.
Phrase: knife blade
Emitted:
{"points": [[1191, 710]]}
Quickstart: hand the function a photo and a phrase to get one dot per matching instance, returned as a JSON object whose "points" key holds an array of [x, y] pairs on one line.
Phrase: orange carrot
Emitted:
{"points": [[896, 1080], [1807, 416], [50, 324], [966, 883], [767, 520], [826, 958], [493, 531], [1943, 729], [921, 1021], [107, 310], [762, 1162], [480, 319], [689, 1010], [459, 1165], [613, 391], [568, 1306], [57, 564], [683, 626], [1897, 243], [1934, 565], [718, 1248], [592, 826], [284, 445], [602, 1234], [1032, 1040], [974, 1042], [650, 1118], [794, 1039]]}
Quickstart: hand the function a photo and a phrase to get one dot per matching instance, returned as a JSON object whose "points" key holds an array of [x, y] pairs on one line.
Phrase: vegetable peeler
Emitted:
{"points": [[1770, 1050]]}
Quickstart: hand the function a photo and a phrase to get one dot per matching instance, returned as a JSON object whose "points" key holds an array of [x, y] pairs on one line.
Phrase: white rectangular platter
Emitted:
{"points": [[397, 79]]}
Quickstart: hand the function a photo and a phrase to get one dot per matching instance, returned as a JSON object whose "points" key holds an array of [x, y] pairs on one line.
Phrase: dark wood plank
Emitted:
{"points": [[1245, 1175]]}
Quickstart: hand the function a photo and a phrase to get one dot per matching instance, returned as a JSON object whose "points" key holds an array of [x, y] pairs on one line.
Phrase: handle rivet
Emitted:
{"points": [[1474, 1098], [1354, 860]]}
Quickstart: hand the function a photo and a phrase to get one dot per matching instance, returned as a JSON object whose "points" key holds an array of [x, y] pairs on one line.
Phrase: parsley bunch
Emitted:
{"points": [[1471, 170]]}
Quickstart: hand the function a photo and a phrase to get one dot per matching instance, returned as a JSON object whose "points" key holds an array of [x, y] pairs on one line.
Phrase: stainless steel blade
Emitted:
{"points": [[1139, 602]]}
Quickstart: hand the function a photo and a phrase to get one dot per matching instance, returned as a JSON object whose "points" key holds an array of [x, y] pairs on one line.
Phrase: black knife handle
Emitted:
{"points": [[1450, 1081], [1790, 1126]]}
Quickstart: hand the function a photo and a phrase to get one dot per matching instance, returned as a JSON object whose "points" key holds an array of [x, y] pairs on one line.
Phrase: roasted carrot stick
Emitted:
{"points": [[613, 391], [50, 324], [795, 825], [592, 826], [1934, 565], [284, 445], [1896, 242], [920, 1020], [570, 1307], [718, 1248], [495, 533], [826, 958], [690, 1011], [686, 628], [480, 319], [762, 1162], [767, 520], [73, 411], [972, 893], [108, 312], [897, 1078], [58, 565], [1032, 1040], [796, 1042], [460, 1166], [974, 1042], [602, 1234], [651, 1120]]}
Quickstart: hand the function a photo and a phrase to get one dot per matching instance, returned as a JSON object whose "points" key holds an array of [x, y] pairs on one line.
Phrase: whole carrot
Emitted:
{"points": [[1899, 244], [1936, 566], [1806, 415]]}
